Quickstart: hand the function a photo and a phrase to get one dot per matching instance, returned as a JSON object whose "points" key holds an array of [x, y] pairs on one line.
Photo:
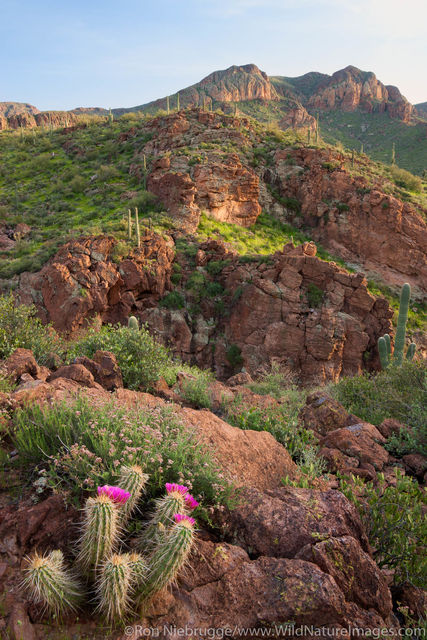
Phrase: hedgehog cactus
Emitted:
{"points": [[113, 587], [138, 568], [133, 323], [49, 583], [165, 508], [384, 344], [133, 480], [169, 557], [100, 532]]}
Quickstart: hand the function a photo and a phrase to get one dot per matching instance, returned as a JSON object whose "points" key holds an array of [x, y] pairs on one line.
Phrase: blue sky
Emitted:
{"points": [[60, 55]]}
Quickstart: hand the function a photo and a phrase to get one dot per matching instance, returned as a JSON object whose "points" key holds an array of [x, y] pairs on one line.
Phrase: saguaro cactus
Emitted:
{"points": [[129, 225], [49, 583], [167, 105], [177, 102], [138, 232], [384, 344]]}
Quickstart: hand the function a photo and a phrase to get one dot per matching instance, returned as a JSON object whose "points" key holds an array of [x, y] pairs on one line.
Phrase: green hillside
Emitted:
{"points": [[377, 132]]}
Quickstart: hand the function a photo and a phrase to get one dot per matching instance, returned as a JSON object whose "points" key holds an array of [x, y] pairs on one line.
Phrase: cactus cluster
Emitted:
{"points": [[388, 357], [120, 580], [137, 227]]}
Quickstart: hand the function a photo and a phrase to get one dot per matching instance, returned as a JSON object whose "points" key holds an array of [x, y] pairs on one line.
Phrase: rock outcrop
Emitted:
{"points": [[350, 89], [82, 281], [360, 223]]}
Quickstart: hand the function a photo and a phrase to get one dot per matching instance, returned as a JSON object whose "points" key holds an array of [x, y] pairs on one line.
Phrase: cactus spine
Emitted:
{"points": [[133, 480], [100, 533], [113, 588], [138, 232], [133, 324], [49, 583], [169, 557], [384, 344]]}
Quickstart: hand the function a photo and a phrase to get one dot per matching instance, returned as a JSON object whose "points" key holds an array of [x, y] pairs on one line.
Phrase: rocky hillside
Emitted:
{"points": [[385, 116]]}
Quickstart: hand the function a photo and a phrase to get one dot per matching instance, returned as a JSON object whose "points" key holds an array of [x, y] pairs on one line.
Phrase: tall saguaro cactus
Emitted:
{"points": [[384, 344]]}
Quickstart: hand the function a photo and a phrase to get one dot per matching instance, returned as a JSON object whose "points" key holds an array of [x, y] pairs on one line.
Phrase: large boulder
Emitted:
{"points": [[280, 522], [19, 362], [104, 368], [354, 571]]}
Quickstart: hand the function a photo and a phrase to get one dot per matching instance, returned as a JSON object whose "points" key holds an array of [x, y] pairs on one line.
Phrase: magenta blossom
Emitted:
{"points": [[172, 487], [181, 518], [190, 502], [117, 495]]}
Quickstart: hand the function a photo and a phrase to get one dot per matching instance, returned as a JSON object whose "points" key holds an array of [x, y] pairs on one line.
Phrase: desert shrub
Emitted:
{"points": [[140, 358], [397, 392], [315, 295], [82, 445], [394, 517], [107, 172], [195, 389], [281, 421], [215, 267], [234, 356], [407, 180], [173, 300], [21, 328], [278, 382]]}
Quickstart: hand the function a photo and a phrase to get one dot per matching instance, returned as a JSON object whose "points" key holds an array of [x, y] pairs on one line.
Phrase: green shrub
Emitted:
{"points": [[407, 180], [140, 358], [394, 517], [396, 392], [21, 328], [234, 356], [281, 421], [195, 389], [173, 300], [82, 446], [279, 383], [315, 295]]}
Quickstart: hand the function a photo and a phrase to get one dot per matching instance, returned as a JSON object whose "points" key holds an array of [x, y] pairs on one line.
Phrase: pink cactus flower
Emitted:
{"points": [[172, 487], [186, 520], [117, 495], [190, 502]]}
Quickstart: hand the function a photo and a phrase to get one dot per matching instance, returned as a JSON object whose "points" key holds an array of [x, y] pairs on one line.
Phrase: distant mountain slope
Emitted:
{"points": [[8, 109], [352, 107]]}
